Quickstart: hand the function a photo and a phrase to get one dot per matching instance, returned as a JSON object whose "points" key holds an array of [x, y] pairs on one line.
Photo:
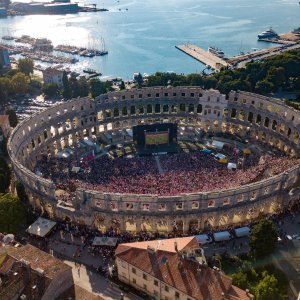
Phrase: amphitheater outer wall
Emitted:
{"points": [[241, 113]]}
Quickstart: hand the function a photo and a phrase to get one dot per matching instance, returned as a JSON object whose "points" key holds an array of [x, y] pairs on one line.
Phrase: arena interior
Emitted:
{"points": [[160, 159]]}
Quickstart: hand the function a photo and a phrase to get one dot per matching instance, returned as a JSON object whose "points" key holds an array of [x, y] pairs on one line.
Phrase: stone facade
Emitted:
{"points": [[246, 114]]}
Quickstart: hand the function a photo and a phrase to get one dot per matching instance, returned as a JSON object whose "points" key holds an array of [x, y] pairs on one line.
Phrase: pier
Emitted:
{"points": [[203, 56]]}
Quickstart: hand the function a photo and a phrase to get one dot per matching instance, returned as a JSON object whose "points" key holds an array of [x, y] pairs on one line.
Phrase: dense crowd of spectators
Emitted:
{"points": [[179, 173]]}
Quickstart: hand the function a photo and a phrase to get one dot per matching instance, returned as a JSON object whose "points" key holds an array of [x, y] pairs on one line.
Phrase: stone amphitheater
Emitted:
{"points": [[241, 113]]}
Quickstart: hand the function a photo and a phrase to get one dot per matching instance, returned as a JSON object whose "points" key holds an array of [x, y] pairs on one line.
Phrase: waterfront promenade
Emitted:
{"points": [[241, 60], [203, 56]]}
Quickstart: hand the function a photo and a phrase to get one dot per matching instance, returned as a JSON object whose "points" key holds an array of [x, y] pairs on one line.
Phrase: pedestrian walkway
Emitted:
{"points": [[159, 167], [97, 284]]}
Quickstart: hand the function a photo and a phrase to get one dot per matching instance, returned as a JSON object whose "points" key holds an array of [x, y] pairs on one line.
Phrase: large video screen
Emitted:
{"points": [[157, 138], [155, 134]]}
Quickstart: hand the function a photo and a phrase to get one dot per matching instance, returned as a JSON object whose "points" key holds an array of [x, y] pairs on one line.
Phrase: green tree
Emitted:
{"points": [[264, 87], [83, 87], [67, 92], [10, 73], [36, 84], [97, 87], [20, 83], [5, 88], [263, 238], [267, 288], [25, 65], [12, 116], [276, 76], [50, 89], [3, 147], [74, 86], [139, 79], [12, 213], [195, 79], [122, 85], [4, 175], [22, 195], [209, 82], [240, 279]]}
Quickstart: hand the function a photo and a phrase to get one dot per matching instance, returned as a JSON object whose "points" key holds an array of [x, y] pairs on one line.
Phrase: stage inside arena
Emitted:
{"points": [[158, 138]]}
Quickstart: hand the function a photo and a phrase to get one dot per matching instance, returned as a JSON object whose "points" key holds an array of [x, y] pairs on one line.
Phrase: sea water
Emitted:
{"points": [[140, 35]]}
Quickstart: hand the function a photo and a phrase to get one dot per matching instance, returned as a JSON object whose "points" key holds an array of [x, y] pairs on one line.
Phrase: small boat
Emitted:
{"points": [[87, 54], [216, 51], [8, 38], [103, 51], [89, 71]]}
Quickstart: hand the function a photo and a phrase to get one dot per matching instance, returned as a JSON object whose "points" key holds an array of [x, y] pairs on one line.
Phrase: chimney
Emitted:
{"points": [[151, 250], [176, 246]]}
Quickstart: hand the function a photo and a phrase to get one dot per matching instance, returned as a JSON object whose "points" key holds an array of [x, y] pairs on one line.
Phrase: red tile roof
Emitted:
{"points": [[37, 258], [52, 71], [186, 275], [4, 119]]}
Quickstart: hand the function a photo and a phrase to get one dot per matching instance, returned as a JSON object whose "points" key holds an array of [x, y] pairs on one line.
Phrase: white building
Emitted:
{"points": [[51, 75], [174, 269]]}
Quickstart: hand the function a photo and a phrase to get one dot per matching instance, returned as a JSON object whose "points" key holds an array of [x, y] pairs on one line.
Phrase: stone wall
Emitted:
{"points": [[246, 114]]}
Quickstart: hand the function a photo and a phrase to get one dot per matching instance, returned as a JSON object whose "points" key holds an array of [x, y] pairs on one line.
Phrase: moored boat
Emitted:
{"points": [[268, 34], [216, 51]]}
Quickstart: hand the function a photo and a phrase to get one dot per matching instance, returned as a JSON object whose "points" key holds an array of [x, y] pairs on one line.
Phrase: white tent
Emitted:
{"points": [[220, 156], [88, 142], [218, 144], [104, 241], [41, 227], [39, 173], [62, 154], [9, 238], [243, 231], [222, 236], [75, 169], [129, 132], [69, 150], [203, 239], [231, 166]]}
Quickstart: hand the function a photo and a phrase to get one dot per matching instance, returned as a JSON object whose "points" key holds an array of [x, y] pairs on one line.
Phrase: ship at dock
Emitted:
{"points": [[268, 34], [216, 51]]}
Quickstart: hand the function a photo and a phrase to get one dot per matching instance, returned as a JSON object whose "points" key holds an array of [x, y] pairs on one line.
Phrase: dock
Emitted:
{"points": [[203, 56], [277, 41]]}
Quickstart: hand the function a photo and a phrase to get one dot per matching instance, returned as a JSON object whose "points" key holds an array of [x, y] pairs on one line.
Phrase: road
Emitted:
{"points": [[83, 273], [286, 257], [97, 284], [270, 53]]}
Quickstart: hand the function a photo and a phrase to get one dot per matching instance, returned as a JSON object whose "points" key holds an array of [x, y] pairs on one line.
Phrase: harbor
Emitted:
{"points": [[41, 49], [49, 8], [82, 51], [47, 46], [38, 55], [215, 58], [130, 48]]}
